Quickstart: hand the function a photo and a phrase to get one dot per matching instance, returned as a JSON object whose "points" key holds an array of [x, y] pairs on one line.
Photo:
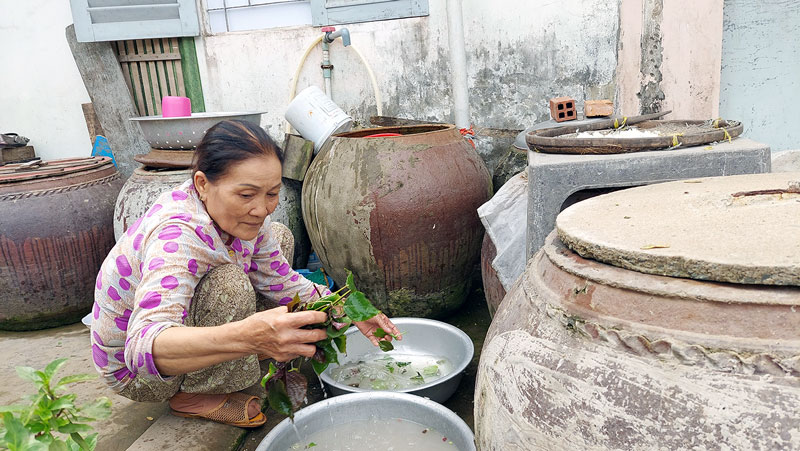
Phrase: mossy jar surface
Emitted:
{"points": [[400, 211]]}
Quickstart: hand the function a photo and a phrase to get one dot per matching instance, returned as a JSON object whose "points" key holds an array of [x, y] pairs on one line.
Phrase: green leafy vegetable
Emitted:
{"points": [[431, 370], [341, 343], [279, 399], [418, 378], [386, 346], [51, 420], [358, 308], [344, 307]]}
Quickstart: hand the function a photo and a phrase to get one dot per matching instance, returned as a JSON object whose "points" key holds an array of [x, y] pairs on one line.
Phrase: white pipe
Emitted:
{"points": [[458, 63], [370, 72], [375, 90]]}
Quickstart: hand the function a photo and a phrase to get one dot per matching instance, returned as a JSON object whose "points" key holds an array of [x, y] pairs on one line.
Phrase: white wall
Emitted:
{"points": [[41, 91], [676, 45], [760, 66], [518, 57]]}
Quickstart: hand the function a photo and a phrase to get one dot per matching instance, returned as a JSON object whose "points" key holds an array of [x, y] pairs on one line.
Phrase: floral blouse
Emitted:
{"points": [[146, 283]]}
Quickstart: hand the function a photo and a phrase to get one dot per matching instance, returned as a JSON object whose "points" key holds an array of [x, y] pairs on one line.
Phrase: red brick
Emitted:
{"points": [[598, 108], [563, 109]]}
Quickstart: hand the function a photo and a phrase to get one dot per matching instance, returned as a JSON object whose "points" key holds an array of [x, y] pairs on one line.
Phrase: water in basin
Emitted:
{"points": [[376, 434], [392, 371]]}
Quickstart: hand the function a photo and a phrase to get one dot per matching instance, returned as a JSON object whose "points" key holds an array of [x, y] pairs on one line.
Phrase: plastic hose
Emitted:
{"points": [[293, 90], [373, 80]]}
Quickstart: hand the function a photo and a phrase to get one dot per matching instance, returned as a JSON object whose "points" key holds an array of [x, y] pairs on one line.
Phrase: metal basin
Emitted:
{"points": [[420, 336], [184, 133], [365, 406]]}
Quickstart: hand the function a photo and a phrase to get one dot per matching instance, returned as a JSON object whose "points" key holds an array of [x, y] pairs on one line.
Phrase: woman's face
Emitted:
{"points": [[241, 199]]}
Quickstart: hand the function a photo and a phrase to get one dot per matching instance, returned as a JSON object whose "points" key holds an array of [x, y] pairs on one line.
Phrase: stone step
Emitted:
{"points": [[169, 432]]}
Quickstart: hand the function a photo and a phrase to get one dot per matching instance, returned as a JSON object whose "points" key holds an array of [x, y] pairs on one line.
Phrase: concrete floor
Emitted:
{"points": [[149, 426]]}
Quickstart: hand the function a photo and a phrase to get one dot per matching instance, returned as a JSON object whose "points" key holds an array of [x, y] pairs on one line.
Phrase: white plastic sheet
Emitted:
{"points": [[505, 217]]}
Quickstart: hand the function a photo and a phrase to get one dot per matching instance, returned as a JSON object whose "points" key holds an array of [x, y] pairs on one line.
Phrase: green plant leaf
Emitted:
{"points": [[331, 356], [270, 373], [358, 308], [350, 283], [294, 303], [37, 426], [386, 346], [279, 399], [17, 437], [89, 442], [333, 332], [69, 428], [380, 333], [63, 402], [83, 443], [319, 367], [97, 409], [418, 378], [53, 366], [431, 370], [44, 380], [27, 373], [341, 344], [331, 298], [57, 445], [75, 378]]}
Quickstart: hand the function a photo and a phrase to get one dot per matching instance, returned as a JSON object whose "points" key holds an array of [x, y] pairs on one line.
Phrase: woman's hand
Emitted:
{"points": [[369, 327], [278, 334]]}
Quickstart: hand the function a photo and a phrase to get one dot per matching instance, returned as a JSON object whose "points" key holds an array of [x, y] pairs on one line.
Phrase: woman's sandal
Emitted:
{"points": [[232, 411]]}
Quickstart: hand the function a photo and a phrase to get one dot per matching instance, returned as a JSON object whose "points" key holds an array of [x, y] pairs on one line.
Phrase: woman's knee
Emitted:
{"points": [[223, 295]]}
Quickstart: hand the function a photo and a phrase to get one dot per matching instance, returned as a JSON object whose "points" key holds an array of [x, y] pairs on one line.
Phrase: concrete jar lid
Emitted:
{"points": [[740, 229]]}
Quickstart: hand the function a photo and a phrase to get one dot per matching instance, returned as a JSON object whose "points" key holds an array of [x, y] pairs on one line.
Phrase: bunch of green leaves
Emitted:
{"points": [[51, 420], [286, 386]]}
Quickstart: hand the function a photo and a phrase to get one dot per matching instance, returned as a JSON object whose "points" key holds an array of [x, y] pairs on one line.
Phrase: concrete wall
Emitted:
{"points": [[760, 67], [670, 57], [518, 57], [40, 89]]}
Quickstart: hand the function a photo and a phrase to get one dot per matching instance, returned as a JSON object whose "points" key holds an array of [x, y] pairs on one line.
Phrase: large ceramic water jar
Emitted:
{"points": [[670, 319], [55, 230], [140, 191], [401, 213]]}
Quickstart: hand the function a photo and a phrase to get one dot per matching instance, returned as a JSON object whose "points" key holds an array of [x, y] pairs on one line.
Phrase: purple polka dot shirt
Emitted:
{"points": [[147, 281]]}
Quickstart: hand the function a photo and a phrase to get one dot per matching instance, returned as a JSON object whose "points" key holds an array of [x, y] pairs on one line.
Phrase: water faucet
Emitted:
{"points": [[331, 34]]}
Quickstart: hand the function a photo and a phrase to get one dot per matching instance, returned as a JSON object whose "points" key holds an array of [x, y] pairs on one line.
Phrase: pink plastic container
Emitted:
{"points": [[173, 106]]}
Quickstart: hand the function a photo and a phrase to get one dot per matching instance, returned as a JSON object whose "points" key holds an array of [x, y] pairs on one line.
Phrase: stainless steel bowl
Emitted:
{"points": [[184, 133], [420, 336], [366, 406]]}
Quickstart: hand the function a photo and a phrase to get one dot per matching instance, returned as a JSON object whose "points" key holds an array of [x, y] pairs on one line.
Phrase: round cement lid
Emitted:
{"points": [[738, 229]]}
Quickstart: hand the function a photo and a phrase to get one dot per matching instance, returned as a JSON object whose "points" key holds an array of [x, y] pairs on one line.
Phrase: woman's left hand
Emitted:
{"points": [[380, 320]]}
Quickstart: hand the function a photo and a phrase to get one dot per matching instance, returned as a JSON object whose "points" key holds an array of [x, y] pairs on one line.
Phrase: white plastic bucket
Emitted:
{"points": [[316, 117]]}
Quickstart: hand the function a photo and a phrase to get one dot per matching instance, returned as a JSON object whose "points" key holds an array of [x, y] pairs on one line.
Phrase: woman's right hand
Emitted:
{"points": [[278, 334]]}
